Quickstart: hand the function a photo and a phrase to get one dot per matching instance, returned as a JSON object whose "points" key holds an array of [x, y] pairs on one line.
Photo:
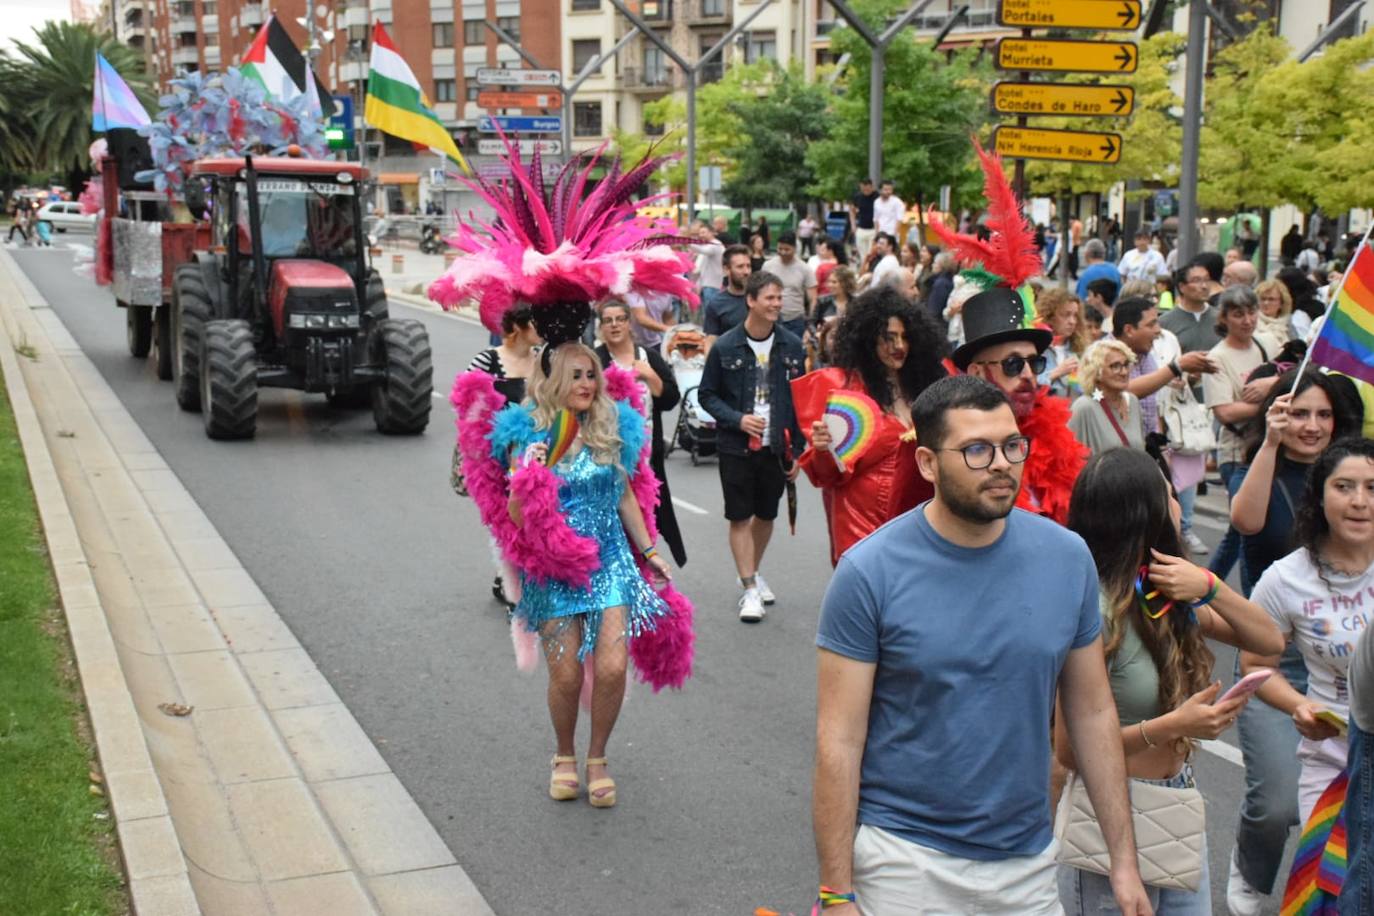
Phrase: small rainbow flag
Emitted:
{"points": [[1319, 866], [561, 436], [852, 418], [1346, 341]]}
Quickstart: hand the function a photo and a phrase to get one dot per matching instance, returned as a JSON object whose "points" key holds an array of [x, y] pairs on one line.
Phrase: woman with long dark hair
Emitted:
{"points": [[1158, 611], [887, 350], [1319, 597]]}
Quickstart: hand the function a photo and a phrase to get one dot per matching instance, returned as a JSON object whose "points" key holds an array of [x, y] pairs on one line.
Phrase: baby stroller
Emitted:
{"points": [[684, 347]]}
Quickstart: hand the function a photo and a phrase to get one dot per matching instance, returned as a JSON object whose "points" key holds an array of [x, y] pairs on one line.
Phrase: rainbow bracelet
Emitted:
{"points": [[1211, 592], [829, 897], [648, 553]]}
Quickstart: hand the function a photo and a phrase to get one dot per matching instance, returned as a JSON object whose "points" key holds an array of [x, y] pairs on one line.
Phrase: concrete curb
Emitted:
{"points": [[266, 798]]}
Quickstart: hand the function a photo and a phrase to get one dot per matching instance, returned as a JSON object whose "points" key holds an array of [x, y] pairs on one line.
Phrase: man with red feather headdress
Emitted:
{"points": [[1004, 349]]}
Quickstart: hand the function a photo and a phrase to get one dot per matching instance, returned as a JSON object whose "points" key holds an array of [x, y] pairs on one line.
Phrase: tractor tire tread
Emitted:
{"points": [[196, 310], [231, 380], [401, 403]]}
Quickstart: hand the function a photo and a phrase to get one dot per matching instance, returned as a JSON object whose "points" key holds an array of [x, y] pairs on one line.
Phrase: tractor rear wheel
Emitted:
{"points": [[190, 311], [138, 329], [401, 400], [162, 342], [229, 380]]}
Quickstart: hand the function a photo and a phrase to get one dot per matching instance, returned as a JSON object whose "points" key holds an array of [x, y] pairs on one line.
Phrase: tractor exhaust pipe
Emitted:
{"points": [[255, 221]]}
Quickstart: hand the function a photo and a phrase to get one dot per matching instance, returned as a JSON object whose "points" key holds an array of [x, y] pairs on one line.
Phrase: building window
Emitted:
{"points": [[511, 26], [586, 119], [713, 69], [585, 5], [584, 51], [443, 34], [761, 46], [445, 91], [207, 7], [712, 8], [655, 67], [472, 90], [474, 32]]}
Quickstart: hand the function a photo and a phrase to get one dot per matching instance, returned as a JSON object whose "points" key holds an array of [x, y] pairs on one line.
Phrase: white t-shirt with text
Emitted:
{"points": [[763, 350]]}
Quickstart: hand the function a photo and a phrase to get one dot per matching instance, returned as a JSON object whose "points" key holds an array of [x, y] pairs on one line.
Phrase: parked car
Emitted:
{"points": [[66, 214]]}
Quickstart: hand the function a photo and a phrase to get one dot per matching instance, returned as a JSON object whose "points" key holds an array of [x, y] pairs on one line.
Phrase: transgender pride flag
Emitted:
{"points": [[115, 104]]}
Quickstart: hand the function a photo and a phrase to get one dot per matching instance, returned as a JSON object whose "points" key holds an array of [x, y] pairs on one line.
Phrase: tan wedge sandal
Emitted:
{"points": [[606, 800], [564, 786]]}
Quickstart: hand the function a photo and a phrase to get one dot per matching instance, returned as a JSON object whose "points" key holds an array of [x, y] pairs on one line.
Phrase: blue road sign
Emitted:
{"points": [[520, 125], [339, 130]]}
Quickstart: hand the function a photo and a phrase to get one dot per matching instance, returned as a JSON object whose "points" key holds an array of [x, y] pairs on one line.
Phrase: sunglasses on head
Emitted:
{"points": [[1013, 365]]}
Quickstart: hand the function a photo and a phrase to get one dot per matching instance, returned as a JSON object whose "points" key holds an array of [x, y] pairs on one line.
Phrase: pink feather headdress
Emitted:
{"points": [[556, 245], [1010, 253]]}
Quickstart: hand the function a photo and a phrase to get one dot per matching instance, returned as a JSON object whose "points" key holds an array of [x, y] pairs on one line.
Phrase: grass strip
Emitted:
{"points": [[57, 843]]}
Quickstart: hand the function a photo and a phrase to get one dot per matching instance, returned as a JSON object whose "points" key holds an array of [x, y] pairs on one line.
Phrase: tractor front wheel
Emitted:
{"points": [[229, 380], [401, 400], [190, 311], [138, 329]]}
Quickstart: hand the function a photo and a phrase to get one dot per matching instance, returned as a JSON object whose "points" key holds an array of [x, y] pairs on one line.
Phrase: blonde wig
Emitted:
{"points": [[600, 424]]}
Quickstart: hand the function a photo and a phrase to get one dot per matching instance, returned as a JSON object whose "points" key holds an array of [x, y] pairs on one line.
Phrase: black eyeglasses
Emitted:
{"points": [[1012, 365], [979, 455]]}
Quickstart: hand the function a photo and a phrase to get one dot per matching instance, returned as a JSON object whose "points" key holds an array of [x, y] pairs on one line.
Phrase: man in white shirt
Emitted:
{"points": [[885, 262], [710, 270], [888, 210], [1142, 262]]}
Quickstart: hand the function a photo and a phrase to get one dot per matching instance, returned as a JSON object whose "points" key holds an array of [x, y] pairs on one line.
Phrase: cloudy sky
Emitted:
{"points": [[19, 17]]}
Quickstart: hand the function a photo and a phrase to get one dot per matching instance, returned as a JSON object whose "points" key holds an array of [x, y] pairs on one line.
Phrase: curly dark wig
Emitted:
{"points": [[863, 325]]}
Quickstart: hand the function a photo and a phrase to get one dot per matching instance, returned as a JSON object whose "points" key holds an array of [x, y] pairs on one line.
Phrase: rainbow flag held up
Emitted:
{"points": [[114, 103], [1346, 341], [1320, 864]]}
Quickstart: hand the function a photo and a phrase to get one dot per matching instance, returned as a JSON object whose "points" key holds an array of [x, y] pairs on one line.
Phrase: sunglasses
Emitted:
{"points": [[1012, 366]]}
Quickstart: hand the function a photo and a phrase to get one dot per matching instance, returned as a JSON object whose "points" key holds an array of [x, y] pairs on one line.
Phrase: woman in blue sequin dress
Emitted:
{"points": [[576, 624]]}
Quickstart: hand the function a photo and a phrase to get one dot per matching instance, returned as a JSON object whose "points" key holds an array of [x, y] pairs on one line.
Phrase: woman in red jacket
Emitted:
{"points": [[890, 351]]}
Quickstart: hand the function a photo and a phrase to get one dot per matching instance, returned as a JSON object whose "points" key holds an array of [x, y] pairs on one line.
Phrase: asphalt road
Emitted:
{"points": [[383, 575]]}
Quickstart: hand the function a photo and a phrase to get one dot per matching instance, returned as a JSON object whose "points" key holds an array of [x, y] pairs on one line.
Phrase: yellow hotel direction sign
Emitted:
{"points": [[1094, 147], [1070, 14], [1067, 55], [1063, 99]]}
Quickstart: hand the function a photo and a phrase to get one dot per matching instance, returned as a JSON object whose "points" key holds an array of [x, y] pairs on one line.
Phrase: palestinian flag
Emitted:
{"points": [[274, 61], [397, 105]]}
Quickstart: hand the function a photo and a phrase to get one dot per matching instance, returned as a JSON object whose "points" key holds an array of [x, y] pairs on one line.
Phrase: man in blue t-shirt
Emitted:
{"points": [[727, 307], [1096, 267], [943, 638]]}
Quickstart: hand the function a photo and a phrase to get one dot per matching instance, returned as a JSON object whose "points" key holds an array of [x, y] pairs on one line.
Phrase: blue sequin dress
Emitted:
{"points": [[590, 494]]}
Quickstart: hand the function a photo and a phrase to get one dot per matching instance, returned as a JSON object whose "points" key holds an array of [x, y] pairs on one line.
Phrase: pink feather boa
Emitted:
{"points": [[662, 657], [544, 547]]}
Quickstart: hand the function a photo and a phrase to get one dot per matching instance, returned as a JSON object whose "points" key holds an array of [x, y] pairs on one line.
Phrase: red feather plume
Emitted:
{"points": [[1010, 253]]}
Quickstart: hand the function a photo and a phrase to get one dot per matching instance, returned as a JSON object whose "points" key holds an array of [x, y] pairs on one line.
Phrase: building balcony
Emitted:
{"points": [[210, 24], [637, 79], [250, 15], [186, 56], [185, 24]]}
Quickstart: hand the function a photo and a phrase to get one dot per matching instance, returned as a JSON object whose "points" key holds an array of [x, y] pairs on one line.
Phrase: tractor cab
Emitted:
{"points": [[286, 280]]}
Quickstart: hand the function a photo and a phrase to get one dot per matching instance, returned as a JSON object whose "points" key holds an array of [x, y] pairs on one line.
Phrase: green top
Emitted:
{"points": [[1132, 673]]}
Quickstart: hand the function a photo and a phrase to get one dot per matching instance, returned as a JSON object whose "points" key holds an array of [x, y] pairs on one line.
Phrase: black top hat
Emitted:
{"points": [[996, 316]]}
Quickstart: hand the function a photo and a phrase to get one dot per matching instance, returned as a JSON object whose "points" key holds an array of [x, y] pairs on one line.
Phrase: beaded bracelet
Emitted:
{"points": [[1211, 592], [829, 897]]}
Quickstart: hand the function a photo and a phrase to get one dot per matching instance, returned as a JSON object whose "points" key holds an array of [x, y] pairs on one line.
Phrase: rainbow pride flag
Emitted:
{"points": [[1319, 866], [1346, 341], [114, 103]]}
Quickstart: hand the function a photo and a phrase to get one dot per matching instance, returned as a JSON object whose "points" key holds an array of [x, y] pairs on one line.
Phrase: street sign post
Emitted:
{"points": [[1062, 99], [1067, 55], [491, 99], [1070, 14], [1087, 146], [500, 76], [497, 148], [552, 124]]}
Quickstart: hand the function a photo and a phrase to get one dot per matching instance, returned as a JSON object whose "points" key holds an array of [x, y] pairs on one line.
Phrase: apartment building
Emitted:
{"points": [[978, 27]]}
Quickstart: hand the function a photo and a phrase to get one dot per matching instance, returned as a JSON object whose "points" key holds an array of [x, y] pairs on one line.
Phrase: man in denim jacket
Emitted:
{"points": [[746, 386]]}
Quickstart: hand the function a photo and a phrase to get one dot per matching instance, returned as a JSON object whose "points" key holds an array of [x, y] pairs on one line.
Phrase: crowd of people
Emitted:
{"points": [[1018, 612]]}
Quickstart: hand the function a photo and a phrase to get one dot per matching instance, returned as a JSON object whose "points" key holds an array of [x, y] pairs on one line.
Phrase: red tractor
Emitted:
{"points": [[284, 298]]}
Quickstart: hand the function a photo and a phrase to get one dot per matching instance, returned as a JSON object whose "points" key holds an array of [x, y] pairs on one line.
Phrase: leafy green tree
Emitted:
{"points": [[1151, 139], [776, 129], [57, 73], [930, 106]]}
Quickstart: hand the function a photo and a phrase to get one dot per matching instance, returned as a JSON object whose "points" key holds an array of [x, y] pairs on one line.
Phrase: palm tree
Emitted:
{"points": [[57, 76], [15, 133]]}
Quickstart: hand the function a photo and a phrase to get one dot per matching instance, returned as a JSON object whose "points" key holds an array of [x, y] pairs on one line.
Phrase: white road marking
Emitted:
{"points": [[689, 507], [1228, 752]]}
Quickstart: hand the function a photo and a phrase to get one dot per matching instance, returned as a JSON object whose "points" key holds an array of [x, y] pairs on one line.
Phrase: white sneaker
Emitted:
{"points": [[1195, 544], [765, 593], [1241, 898], [750, 606]]}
